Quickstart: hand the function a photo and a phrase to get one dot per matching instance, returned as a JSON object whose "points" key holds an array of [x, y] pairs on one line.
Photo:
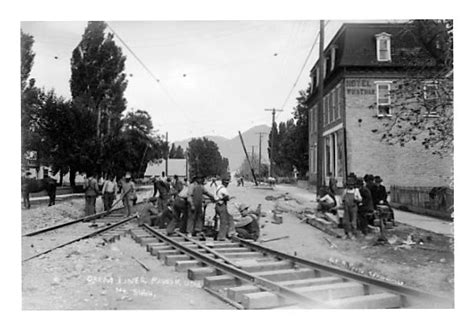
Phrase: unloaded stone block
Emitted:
{"points": [[230, 250], [265, 266], [237, 293], [213, 282], [184, 265], [155, 244], [262, 300], [333, 291], [378, 301], [310, 282], [154, 250], [287, 274], [201, 273], [146, 240], [247, 254], [171, 260], [162, 253]]}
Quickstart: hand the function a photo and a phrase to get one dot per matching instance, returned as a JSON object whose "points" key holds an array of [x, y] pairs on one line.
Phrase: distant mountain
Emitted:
{"points": [[232, 148]]}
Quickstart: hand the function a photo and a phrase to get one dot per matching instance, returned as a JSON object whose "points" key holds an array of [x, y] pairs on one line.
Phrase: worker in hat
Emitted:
{"points": [[128, 193], [350, 197], [180, 212], [149, 213], [380, 199], [91, 191], [247, 226], [226, 222], [195, 198], [109, 190]]}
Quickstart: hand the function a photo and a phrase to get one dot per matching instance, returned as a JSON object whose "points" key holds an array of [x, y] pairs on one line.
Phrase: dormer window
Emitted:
{"points": [[333, 57], [383, 47]]}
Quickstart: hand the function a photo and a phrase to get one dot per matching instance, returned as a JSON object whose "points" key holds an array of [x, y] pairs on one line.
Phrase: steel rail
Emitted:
{"points": [[89, 235], [259, 282], [401, 290], [81, 219]]}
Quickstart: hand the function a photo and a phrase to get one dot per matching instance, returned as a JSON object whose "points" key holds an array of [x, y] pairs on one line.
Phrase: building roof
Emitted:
{"points": [[356, 46], [175, 167]]}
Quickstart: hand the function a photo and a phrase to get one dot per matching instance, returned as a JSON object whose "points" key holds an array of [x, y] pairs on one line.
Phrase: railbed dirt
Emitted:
{"points": [[93, 275]]}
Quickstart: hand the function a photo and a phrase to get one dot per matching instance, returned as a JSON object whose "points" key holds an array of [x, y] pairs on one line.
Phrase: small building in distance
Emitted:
{"points": [[363, 63], [177, 167]]}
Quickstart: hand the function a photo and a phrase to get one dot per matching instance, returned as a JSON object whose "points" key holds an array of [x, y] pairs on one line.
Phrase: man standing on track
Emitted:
{"points": [[128, 192], [195, 198], [226, 222], [109, 190], [91, 189]]}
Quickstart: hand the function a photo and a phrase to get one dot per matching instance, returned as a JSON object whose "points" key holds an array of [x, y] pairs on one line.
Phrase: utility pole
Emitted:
{"points": [[272, 158], [250, 164], [167, 155], [260, 153], [320, 153]]}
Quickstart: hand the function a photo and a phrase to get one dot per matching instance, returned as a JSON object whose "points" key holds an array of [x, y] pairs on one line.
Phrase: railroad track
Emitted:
{"points": [[109, 225], [249, 276]]}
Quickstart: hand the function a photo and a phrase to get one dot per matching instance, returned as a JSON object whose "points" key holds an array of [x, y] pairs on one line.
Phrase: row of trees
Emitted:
{"points": [[205, 159], [88, 133]]}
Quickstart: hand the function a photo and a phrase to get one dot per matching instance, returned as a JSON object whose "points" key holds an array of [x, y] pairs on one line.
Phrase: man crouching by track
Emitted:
{"points": [[149, 213], [247, 226]]}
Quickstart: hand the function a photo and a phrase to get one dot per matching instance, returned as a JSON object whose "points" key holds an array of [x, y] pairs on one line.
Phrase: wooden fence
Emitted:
{"points": [[433, 201]]}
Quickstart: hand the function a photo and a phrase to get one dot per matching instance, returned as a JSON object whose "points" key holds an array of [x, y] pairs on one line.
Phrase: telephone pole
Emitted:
{"points": [[272, 158], [320, 153], [260, 153]]}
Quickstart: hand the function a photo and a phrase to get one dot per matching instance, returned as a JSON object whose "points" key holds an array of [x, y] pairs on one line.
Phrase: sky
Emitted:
{"points": [[215, 77]]}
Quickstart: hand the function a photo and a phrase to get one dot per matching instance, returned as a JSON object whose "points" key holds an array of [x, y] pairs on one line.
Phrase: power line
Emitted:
{"points": [[302, 68], [148, 70]]}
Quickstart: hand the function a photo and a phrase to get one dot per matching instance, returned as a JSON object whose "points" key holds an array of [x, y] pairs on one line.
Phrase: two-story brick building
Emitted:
{"points": [[362, 63]]}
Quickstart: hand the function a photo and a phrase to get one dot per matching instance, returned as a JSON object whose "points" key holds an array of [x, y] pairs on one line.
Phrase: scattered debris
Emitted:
{"points": [[141, 264], [322, 227], [331, 244], [274, 239]]}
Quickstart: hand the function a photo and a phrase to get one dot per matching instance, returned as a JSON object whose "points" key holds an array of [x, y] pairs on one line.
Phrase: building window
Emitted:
{"points": [[383, 99], [331, 107], [333, 57], [383, 47], [431, 97]]}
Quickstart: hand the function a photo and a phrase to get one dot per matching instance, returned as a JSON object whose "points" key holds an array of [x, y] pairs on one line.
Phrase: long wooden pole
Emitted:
{"points": [[250, 164]]}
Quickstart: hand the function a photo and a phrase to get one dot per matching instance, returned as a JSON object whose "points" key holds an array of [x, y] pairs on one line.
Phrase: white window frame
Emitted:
{"points": [[383, 37], [435, 84], [389, 103]]}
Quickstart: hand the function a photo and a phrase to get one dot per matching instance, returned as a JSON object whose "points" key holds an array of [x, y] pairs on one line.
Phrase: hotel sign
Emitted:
{"points": [[360, 87]]}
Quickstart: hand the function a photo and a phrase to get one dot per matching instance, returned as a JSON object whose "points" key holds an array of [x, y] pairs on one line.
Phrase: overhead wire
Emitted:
{"points": [[166, 92], [302, 69]]}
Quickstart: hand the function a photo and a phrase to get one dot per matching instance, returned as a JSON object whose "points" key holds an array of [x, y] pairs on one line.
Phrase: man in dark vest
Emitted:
{"points": [[195, 197], [91, 191]]}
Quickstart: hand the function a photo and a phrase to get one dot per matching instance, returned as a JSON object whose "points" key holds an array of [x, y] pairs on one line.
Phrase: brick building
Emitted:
{"points": [[362, 63]]}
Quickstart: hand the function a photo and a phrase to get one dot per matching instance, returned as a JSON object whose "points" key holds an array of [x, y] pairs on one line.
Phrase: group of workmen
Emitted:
{"points": [[108, 188], [180, 207], [362, 199]]}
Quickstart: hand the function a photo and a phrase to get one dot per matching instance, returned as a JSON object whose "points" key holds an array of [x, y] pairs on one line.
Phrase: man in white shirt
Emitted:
{"points": [[226, 222], [109, 190]]}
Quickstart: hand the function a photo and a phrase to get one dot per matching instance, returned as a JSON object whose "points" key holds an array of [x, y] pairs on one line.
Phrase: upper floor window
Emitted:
{"points": [[333, 57], [383, 99], [383, 47]]}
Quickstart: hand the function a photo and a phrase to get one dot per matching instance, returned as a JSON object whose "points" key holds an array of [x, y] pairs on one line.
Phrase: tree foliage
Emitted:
{"points": [[87, 133], [291, 141], [422, 102], [176, 152], [205, 158]]}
